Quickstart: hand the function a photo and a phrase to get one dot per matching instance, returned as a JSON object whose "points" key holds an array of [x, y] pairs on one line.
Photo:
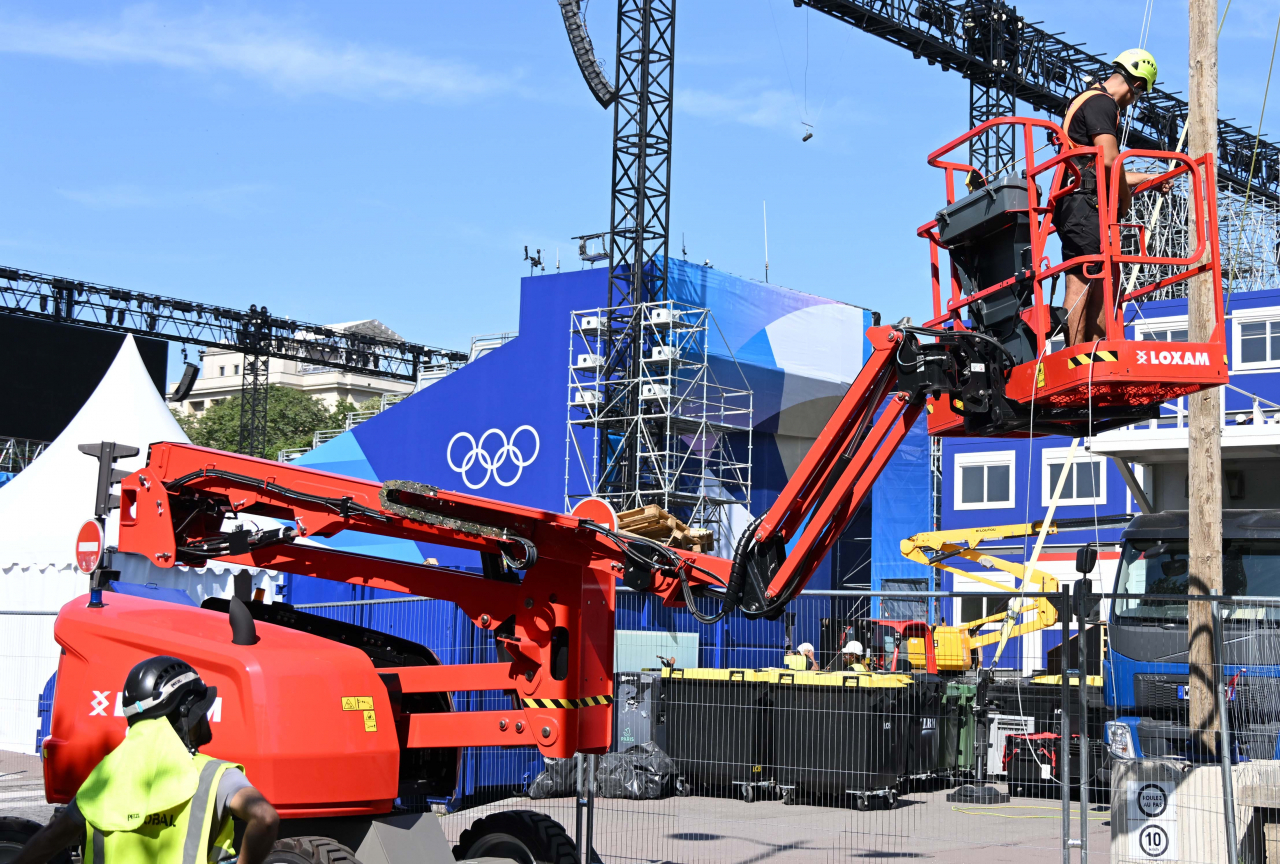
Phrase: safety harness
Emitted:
{"points": [[1088, 174]]}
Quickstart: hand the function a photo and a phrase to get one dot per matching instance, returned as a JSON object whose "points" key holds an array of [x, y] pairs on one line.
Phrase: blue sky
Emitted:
{"points": [[337, 161]]}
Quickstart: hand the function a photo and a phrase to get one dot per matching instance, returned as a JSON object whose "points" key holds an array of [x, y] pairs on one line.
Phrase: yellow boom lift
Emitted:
{"points": [[956, 647]]}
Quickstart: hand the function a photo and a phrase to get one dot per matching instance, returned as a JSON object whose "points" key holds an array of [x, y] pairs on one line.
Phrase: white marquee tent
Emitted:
{"points": [[41, 510]]}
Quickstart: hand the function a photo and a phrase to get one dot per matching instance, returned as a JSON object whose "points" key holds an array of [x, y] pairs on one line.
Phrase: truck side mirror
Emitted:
{"points": [[1086, 559]]}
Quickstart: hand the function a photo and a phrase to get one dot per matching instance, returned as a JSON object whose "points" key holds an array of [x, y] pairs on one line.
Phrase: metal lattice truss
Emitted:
{"points": [[641, 205], [51, 298], [988, 43], [693, 434], [1248, 231]]}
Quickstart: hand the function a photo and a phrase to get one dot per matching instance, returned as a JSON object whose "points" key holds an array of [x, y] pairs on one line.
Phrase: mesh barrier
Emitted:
{"points": [[1174, 791], [736, 742], [731, 755]]}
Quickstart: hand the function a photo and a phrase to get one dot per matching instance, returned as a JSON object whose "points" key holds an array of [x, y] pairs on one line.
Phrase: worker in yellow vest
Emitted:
{"points": [[1093, 120], [802, 660], [852, 655], [156, 799]]}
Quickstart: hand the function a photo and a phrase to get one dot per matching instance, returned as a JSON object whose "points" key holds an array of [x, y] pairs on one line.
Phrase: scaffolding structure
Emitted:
{"points": [[691, 434], [1249, 236]]}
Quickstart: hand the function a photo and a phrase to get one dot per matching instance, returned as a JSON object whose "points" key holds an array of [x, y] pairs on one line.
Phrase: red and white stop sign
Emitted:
{"points": [[598, 511], [89, 544]]}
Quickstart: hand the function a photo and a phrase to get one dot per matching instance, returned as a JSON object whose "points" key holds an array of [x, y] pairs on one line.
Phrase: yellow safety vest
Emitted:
{"points": [[796, 661], [151, 802]]}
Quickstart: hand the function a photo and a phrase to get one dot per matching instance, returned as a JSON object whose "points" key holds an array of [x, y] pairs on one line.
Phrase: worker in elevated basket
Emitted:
{"points": [[156, 799], [1093, 120]]}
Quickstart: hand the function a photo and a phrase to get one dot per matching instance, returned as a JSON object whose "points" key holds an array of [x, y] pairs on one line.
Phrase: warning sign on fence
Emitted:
{"points": [[1153, 820]]}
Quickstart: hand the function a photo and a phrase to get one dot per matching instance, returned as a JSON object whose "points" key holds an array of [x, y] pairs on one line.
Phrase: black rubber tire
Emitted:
{"points": [[14, 834], [788, 797], [525, 836], [310, 850], [683, 788], [748, 793], [890, 799], [862, 802]]}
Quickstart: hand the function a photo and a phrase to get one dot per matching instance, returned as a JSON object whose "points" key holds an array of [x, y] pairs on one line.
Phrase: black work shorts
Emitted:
{"points": [[1077, 223]]}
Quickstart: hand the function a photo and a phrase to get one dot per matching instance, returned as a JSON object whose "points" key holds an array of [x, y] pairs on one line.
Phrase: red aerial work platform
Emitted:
{"points": [[547, 593]]}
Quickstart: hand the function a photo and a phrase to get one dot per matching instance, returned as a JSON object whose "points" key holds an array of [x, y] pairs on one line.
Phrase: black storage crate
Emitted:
{"points": [[716, 727], [1043, 703], [923, 720], [1033, 769], [637, 710], [830, 735]]}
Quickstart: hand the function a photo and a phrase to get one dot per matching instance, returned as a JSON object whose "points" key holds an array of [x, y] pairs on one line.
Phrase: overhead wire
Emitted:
{"points": [[1182, 140], [1143, 34], [1253, 161]]}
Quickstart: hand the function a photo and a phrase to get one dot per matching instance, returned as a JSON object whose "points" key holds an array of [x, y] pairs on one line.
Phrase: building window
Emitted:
{"points": [[1164, 334], [237, 369], [975, 608], [197, 405], [1086, 481], [222, 370], [984, 481], [1257, 343]]}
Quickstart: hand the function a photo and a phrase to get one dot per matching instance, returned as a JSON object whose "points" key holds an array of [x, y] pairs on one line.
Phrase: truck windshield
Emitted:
{"points": [[1250, 568]]}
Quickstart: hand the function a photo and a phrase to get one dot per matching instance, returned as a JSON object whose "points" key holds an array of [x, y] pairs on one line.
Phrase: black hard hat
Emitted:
{"points": [[167, 687]]}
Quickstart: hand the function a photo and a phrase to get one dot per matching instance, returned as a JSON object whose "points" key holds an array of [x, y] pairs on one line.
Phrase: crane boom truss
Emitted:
{"points": [[1043, 70]]}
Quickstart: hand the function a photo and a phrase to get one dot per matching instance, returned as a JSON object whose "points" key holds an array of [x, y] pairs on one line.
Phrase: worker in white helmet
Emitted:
{"points": [[802, 660], [852, 655]]}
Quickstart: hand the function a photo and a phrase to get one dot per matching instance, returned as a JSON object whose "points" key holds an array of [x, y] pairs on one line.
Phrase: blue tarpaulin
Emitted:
{"points": [[902, 501]]}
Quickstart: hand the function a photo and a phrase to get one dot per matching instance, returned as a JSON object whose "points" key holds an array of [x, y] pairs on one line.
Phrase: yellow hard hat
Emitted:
{"points": [[1138, 63]]}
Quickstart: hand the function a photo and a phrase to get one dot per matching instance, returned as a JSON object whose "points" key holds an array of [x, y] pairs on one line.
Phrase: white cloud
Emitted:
{"points": [[769, 108], [255, 47]]}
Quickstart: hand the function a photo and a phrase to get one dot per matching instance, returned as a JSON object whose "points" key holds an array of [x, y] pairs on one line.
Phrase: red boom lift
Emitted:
{"points": [[328, 729]]}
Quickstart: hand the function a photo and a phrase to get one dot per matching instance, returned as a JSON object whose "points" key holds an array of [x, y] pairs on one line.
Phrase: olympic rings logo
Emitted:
{"points": [[507, 450]]}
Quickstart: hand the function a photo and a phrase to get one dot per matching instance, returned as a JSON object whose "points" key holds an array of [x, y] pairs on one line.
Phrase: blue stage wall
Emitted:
{"points": [[797, 352]]}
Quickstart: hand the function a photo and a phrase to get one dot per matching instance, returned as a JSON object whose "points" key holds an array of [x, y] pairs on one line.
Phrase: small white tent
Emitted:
{"points": [[41, 510]]}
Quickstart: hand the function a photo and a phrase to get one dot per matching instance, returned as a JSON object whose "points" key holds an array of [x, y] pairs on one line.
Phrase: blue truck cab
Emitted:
{"points": [[1145, 673]]}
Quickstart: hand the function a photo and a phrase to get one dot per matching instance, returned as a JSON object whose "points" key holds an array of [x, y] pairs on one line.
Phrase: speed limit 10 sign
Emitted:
{"points": [[89, 543]]}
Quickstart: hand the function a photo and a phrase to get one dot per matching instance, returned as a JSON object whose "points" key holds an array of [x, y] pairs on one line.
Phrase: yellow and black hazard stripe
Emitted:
{"points": [[1092, 357], [585, 702]]}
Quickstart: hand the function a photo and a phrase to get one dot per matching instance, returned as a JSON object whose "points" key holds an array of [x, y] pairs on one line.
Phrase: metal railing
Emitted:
{"points": [[1174, 414], [351, 421]]}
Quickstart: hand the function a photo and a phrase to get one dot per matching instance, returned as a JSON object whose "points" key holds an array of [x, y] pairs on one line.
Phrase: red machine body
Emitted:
{"points": [[291, 708]]}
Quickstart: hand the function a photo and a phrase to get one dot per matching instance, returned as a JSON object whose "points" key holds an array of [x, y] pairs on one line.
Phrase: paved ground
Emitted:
{"points": [[924, 825], [22, 787], [694, 830]]}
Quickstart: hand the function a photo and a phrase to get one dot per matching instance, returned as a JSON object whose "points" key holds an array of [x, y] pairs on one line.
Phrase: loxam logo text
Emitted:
{"points": [[102, 701], [1174, 358]]}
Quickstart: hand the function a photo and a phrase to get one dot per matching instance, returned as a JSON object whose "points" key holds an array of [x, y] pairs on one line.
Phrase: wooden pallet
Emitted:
{"points": [[654, 523]]}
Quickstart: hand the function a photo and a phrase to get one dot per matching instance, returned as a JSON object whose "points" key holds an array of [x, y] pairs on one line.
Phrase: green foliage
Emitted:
{"points": [[293, 418]]}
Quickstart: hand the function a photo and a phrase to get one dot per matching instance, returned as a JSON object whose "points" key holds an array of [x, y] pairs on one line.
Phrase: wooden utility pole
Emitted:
{"points": [[1204, 450]]}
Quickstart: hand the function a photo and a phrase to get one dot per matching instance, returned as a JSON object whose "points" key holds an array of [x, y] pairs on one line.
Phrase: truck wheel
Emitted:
{"points": [[525, 836], [14, 834], [310, 850]]}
